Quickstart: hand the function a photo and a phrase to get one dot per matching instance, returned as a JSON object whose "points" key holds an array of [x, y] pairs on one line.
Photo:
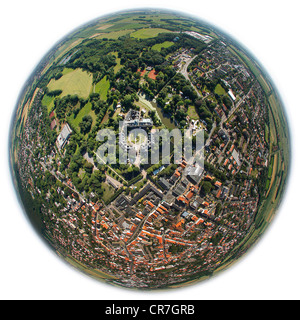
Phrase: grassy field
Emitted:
{"points": [[192, 113], [108, 191], [159, 46], [67, 70], [77, 82], [140, 20], [86, 110], [104, 26], [102, 88], [112, 35], [48, 102], [148, 33], [125, 25], [272, 173], [219, 90], [118, 60]]}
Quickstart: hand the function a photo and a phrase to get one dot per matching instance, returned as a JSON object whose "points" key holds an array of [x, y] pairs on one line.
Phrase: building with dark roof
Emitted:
{"points": [[164, 183]]}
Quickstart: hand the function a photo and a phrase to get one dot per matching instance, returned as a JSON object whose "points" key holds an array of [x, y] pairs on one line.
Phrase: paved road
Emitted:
{"points": [[184, 72], [102, 161], [122, 243], [138, 230], [184, 67]]}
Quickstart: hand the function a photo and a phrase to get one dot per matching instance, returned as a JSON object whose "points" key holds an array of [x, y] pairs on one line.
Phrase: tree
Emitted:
{"points": [[88, 167], [206, 187], [86, 124], [58, 75], [128, 101], [96, 180]]}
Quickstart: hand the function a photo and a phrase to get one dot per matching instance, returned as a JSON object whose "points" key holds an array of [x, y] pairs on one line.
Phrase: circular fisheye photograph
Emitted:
{"points": [[149, 149]]}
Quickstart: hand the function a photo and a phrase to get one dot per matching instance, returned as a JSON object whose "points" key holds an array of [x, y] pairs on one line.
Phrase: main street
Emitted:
{"points": [[184, 71]]}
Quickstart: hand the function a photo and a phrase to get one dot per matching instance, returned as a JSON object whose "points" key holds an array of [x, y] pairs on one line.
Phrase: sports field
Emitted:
{"points": [[77, 82]]}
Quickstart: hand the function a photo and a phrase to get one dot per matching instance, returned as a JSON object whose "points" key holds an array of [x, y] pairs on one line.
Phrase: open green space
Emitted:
{"points": [[148, 33], [114, 34], [67, 70], [124, 26], [118, 60], [76, 82], [159, 46], [48, 102], [192, 113], [219, 90], [108, 191], [86, 110], [102, 88]]}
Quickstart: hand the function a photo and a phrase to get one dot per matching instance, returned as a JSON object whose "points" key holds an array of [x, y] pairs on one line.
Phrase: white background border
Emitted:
{"points": [[269, 29]]}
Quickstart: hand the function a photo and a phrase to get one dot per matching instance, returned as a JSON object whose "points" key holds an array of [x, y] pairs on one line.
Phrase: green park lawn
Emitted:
{"points": [[113, 34], [48, 102], [219, 90], [148, 33], [118, 60], [76, 82], [159, 46], [193, 113], [102, 88], [86, 110], [107, 191]]}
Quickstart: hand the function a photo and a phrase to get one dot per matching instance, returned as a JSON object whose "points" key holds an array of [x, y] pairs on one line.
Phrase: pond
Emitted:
{"points": [[165, 118]]}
